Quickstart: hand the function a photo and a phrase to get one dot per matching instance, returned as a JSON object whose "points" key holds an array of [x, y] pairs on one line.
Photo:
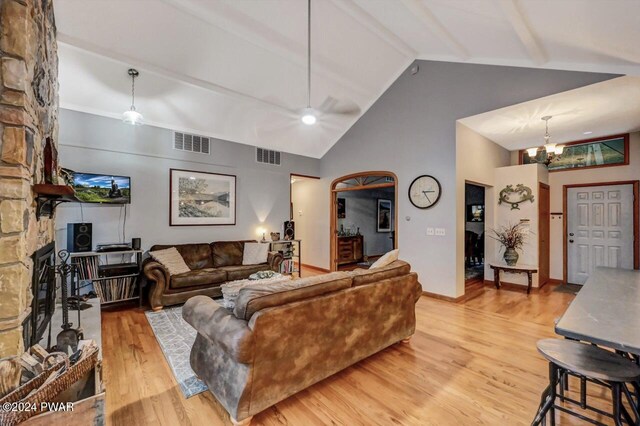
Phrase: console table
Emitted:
{"points": [[350, 249], [517, 269]]}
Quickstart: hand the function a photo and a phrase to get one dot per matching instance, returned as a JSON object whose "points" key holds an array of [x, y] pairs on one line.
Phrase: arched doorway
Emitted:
{"points": [[347, 246]]}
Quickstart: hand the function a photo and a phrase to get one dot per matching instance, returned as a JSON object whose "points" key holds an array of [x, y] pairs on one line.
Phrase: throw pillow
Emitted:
{"points": [[255, 253], [388, 258], [171, 259]]}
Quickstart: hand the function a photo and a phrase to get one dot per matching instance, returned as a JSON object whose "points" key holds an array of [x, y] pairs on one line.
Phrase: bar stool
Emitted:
{"points": [[590, 363]]}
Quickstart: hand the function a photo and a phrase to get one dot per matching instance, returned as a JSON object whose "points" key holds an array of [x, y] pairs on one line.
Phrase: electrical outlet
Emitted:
{"points": [[440, 232], [430, 231]]}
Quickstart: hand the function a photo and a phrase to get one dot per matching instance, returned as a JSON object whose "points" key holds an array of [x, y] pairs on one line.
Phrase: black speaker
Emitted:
{"points": [[289, 230], [136, 243], [79, 237]]}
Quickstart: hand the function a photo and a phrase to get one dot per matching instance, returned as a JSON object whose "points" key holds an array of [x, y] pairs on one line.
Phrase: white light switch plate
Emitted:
{"points": [[440, 232], [430, 231]]}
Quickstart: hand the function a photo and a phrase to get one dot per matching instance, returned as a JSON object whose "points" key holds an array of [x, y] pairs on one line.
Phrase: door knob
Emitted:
{"points": [[571, 234], [571, 241]]}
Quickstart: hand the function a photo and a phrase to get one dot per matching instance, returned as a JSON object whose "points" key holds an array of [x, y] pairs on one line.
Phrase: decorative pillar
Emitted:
{"points": [[28, 115]]}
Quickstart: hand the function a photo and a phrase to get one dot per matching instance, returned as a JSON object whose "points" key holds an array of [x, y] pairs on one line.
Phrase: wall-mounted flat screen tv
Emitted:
{"points": [[107, 189]]}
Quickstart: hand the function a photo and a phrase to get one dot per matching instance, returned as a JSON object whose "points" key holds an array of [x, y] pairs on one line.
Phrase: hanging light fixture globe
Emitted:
{"points": [[308, 116], [132, 116]]}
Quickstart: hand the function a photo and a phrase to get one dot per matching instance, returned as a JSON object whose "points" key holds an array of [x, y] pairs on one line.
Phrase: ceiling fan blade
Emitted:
{"points": [[332, 105]]}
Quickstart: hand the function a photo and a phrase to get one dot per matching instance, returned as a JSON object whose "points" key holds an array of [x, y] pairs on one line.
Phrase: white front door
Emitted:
{"points": [[599, 229]]}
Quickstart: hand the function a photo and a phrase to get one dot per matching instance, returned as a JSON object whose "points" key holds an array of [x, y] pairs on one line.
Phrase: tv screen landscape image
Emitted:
{"points": [[108, 189]]}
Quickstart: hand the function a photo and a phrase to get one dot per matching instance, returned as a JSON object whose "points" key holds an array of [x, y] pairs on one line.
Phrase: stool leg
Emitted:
{"points": [[583, 393], [553, 382], [564, 376], [539, 419], [615, 396]]}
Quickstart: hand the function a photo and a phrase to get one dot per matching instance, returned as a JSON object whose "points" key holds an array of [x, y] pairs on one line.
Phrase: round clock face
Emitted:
{"points": [[424, 191]]}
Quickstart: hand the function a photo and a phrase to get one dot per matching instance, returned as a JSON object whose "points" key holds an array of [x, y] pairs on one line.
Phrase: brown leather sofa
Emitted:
{"points": [[282, 338], [211, 266]]}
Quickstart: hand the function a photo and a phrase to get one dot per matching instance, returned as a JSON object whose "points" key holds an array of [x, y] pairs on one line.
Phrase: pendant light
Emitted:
{"points": [[132, 116], [553, 150], [308, 114]]}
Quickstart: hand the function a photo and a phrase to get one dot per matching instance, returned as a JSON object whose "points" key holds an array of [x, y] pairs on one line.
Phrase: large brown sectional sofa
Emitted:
{"points": [[211, 264], [284, 337]]}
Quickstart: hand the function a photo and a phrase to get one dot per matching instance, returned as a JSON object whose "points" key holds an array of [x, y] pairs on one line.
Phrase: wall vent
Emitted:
{"points": [[191, 143], [267, 156]]}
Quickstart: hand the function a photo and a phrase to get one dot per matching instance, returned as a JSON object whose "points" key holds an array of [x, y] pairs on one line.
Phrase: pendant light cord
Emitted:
{"points": [[133, 92], [308, 53]]}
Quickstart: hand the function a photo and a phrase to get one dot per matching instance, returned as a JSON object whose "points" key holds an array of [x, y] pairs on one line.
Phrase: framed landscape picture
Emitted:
{"points": [[384, 215], [200, 198], [599, 152]]}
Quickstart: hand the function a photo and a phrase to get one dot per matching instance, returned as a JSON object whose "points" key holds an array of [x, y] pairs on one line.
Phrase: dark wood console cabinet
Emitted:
{"points": [[350, 249]]}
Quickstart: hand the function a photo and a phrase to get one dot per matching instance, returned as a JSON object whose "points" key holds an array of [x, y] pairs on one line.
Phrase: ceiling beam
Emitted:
{"points": [[166, 73], [518, 20], [374, 26], [424, 14], [256, 32]]}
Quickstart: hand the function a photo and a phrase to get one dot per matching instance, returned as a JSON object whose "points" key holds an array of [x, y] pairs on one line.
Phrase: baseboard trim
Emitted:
{"points": [[315, 268], [443, 297], [504, 285]]}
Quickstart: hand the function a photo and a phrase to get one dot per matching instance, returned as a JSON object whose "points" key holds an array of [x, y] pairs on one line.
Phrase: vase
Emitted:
{"points": [[511, 256]]}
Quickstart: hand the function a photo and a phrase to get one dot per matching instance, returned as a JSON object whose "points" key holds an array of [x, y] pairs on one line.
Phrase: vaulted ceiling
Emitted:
{"points": [[601, 109], [236, 70]]}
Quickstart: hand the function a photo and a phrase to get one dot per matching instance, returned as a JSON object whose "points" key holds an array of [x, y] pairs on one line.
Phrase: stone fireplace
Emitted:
{"points": [[28, 117]]}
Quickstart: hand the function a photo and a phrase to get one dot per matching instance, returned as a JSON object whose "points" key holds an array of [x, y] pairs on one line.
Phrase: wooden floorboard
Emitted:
{"points": [[468, 363]]}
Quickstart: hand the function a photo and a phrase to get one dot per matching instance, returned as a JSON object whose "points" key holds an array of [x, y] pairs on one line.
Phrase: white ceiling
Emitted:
{"points": [[601, 109], [236, 70]]}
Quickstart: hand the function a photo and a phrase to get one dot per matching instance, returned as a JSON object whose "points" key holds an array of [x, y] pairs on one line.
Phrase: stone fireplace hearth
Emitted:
{"points": [[28, 116]]}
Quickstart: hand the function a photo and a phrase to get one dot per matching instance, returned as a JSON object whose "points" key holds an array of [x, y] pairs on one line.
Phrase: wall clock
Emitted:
{"points": [[424, 191]]}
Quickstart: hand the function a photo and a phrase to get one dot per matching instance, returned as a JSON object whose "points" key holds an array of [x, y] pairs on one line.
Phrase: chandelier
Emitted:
{"points": [[552, 150]]}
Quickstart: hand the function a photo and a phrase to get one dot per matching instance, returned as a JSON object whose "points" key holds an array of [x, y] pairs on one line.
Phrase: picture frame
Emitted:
{"points": [[201, 198], [609, 151], [475, 213], [383, 216], [342, 208]]}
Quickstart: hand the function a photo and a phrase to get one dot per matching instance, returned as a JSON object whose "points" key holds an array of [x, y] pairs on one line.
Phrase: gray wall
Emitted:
{"points": [[90, 143], [411, 130], [361, 211]]}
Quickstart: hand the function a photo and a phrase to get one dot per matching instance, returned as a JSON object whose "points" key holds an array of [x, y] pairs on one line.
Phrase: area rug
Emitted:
{"points": [[568, 288], [176, 338], [474, 271]]}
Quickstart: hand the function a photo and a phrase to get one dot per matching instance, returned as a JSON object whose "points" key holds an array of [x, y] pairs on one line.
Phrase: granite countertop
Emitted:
{"points": [[606, 311]]}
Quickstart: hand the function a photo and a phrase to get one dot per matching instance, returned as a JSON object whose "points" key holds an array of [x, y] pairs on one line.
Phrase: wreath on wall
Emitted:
{"points": [[515, 196]]}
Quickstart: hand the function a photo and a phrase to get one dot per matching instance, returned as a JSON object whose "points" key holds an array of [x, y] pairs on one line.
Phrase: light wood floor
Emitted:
{"points": [[471, 363]]}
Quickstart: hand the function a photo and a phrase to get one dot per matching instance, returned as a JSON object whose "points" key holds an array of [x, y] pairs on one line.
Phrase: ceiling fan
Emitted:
{"points": [[330, 105], [272, 122]]}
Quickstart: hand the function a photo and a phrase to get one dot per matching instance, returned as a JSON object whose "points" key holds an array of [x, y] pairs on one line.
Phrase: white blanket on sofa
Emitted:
{"points": [[231, 289]]}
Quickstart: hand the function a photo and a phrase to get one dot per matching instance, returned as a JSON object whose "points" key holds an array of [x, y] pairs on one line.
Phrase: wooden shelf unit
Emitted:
{"points": [[291, 251], [105, 291]]}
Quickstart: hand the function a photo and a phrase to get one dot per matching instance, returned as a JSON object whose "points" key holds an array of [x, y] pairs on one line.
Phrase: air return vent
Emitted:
{"points": [[191, 143], [267, 156]]}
